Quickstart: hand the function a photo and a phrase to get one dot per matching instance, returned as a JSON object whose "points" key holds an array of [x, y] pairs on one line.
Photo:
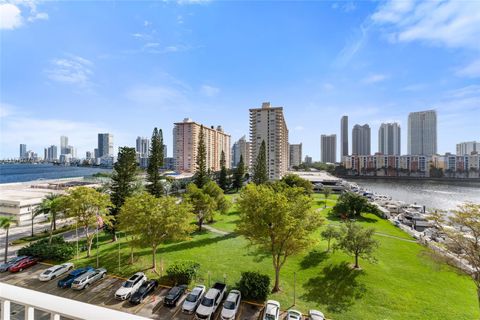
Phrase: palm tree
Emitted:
{"points": [[49, 206], [6, 223]]}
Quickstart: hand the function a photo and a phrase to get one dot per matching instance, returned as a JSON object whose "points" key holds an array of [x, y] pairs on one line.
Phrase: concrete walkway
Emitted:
{"points": [[213, 230]]}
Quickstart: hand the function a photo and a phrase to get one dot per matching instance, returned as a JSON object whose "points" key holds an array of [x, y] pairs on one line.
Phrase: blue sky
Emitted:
{"points": [[79, 68]]}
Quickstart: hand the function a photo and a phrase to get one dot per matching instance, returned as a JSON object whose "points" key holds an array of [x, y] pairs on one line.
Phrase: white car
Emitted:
{"points": [[231, 305], [88, 278], [193, 299], [272, 310], [315, 315], [294, 315], [130, 286], [55, 271]]}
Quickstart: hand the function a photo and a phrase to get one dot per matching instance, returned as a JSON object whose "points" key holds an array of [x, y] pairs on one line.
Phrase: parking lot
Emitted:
{"points": [[102, 292]]}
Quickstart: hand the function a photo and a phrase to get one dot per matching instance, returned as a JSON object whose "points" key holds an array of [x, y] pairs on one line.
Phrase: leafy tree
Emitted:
{"points": [[350, 204], [223, 178], [260, 174], [201, 175], [358, 242], [89, 208], [214, 191], [239, 174], [155, 163], [254, 285], [326, 193], [123, 182], [51, 206], [462, 230], [157, 220], [330, 233], [293, 180], [280, 223], [6, 223]]}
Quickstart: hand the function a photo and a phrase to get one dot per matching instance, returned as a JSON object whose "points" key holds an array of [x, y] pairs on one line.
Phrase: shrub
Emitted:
{"points": [[58, 250], [182, 272], [254, 285]]}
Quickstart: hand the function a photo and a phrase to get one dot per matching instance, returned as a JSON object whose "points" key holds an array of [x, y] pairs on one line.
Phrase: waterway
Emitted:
{"points": [[444, 195], [21, 172]]}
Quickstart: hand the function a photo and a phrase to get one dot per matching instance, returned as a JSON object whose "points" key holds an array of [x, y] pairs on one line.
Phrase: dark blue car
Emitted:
{"points": [[68, 280]]}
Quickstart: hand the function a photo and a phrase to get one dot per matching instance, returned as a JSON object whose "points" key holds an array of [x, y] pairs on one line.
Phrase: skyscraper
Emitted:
{"points": [[51, 153], [361, 143], [241, 148], [467, 148], [422, 133], [329, 148], [185, 146], [63, 144], [268, 124], [389, 139], [295, 155], [143, 147], [344, 136], [105, 145], [23, 150]]}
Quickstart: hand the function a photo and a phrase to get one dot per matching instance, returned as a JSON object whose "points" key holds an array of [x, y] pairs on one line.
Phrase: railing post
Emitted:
{"points": [[54, 316], [29, 313], [5, 314]]}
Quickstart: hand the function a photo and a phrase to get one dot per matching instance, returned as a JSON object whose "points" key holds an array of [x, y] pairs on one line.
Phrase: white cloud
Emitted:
{"points": [[72, 70], [472, 70], [10, 16], [5, 110], [450, 23], [353, 45], [209, 91], [192, 1], [147, 23], [152, 45], [374, 78], [38, 16], [468, 91], [299, 128], [159, 96]]}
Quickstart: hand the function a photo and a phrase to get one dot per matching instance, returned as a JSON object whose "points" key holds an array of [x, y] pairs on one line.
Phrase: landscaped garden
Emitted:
{"points": [[404, 283]]}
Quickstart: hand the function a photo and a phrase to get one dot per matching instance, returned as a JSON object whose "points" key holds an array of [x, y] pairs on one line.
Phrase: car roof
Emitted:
{"points": [[272, 306], [294, 312], [197, 290], [136, 276], [232, 296]]}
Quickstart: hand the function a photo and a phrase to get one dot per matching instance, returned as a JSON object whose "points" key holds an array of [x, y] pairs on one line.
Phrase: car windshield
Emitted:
{"points": [[192, 297], [128, 284], [230, 305], [69, 277], [207, 302], [269, 317], [47, 272], [142, 289]]}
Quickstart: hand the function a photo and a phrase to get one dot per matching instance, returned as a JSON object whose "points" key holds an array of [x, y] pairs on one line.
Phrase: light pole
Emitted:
{"points": [[76, 235], [294, 285]]}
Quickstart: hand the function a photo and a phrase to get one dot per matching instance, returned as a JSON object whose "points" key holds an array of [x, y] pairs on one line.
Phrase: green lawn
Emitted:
{"points": [[405, 283]]}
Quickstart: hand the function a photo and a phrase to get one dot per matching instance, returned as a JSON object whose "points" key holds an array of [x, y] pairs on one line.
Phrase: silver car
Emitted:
{"points": [[88, 278]]}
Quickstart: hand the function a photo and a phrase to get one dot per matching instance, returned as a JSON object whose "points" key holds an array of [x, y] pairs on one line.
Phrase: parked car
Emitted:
{"points": [[130, 286], [173, 295], [145, 289], [231, 305], [272, 310], [315, 315], [210, 301], [68, 280], [88, 278], [4, 267], [23, 264], [294, 315], [55, 271], [193, 299]]}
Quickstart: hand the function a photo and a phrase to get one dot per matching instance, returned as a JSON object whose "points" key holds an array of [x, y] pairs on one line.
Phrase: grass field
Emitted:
{"points": [[405, 283]]}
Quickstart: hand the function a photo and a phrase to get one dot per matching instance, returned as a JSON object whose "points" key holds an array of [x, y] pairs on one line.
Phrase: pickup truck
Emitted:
{"points": [[210, 301]]}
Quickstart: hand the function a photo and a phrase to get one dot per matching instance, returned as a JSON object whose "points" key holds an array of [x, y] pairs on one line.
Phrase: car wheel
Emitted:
{"points": [[86, 286], [103, 275], [21, 269], [54, 277]]}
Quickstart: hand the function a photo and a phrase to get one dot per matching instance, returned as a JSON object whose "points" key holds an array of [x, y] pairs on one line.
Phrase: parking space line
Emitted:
{"points": [[239, 316], [102, 291]]}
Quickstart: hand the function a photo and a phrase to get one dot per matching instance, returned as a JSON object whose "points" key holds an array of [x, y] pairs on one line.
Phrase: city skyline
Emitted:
{"points": [[133, 74]]}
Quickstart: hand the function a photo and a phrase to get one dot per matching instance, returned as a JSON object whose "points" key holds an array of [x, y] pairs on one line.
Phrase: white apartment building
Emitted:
{"points": [[389, 139], [295, 155], [241, 148], [422, 133], [467, 148], [268, 124], [185, 146]]}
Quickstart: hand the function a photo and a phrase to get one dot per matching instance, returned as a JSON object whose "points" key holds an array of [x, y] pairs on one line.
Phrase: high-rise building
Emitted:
{"points": [[105, 145], [63, 144], [164, 151], [308, 160], [88, 155], [422, 133], [344, 136], [185, 146], [361, 142], [268, 124], [51, 154], [241, 148], [329, 148], [295, 155], [143, 147], [468, 148], [389, 139], [23, 150]]}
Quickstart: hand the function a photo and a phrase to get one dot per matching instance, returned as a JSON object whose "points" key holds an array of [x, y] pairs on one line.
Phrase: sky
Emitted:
{"points": [[80, 68]]}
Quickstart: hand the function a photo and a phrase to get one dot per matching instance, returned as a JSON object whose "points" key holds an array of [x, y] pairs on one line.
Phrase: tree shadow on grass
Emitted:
{"points": [[337, 287], [189, 244], [313, 259]]}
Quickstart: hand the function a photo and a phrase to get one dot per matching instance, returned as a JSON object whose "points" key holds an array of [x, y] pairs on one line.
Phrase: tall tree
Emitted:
{"points": [[260, 174], [157, 220], [357, 241], [351, 205], [155, 163], [89, 208], [50, 206], [5, 224], [123, 182], [462, 228], [326, 193], [279, 221], [239, 174], [329, 234], [201, 175], [223, 178]]}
